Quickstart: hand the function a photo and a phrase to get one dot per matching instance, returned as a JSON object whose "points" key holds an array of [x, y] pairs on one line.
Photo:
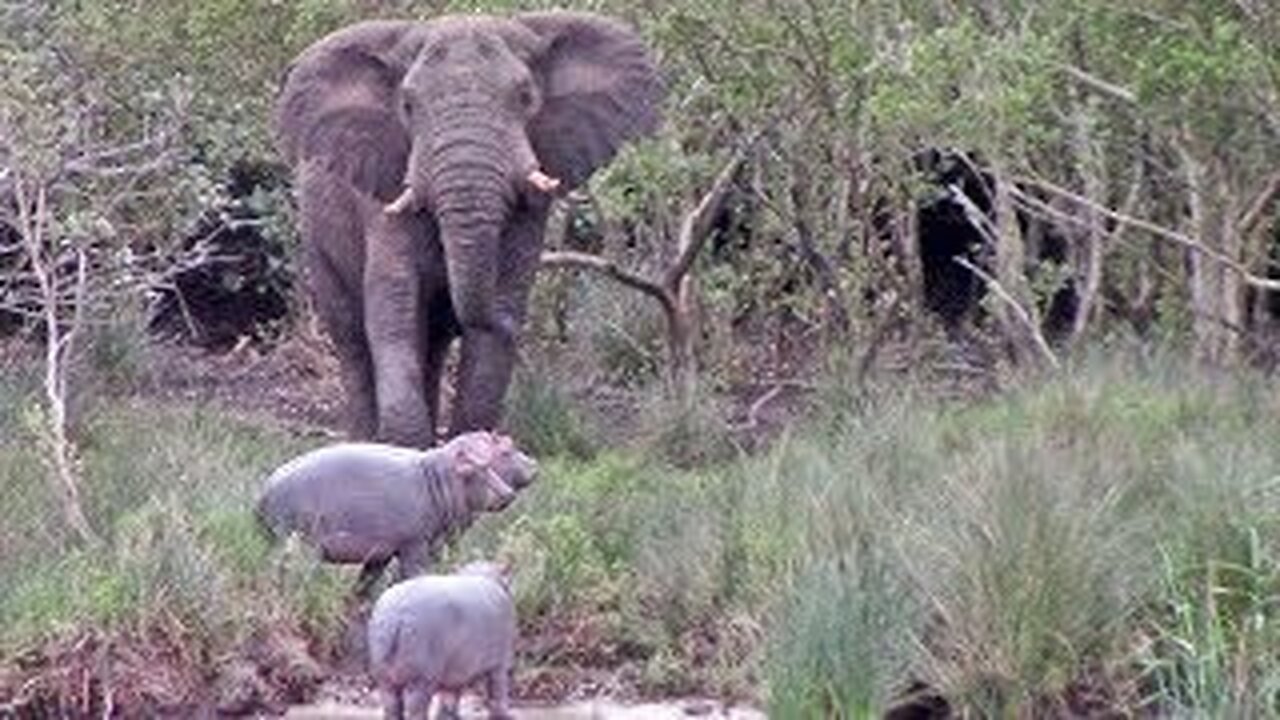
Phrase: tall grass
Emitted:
{"points": [[1102, 539], [170, 492], [1105, 539]]}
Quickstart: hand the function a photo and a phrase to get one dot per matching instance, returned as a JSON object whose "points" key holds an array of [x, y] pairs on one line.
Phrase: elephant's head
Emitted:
{"points": [[469, 117]]}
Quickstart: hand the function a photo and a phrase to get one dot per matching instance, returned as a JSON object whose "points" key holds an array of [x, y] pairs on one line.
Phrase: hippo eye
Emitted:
{"points": [[437, 54], [526, 96]]}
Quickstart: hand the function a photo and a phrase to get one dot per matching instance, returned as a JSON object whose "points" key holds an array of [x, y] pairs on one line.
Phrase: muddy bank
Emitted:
{"points": [[600, 709]]}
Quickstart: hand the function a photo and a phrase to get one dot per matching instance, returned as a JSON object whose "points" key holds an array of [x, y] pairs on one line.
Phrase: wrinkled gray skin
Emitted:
{"points": [[440, 634], [367, 503], [425, 155]]}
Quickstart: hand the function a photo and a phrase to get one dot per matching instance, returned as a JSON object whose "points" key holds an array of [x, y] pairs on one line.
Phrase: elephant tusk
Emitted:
{"points": [[543, 182], [400, 204]]}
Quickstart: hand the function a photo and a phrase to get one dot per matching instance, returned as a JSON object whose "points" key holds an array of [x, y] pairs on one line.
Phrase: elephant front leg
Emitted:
{"points": [[484, 372], [392, 326]]}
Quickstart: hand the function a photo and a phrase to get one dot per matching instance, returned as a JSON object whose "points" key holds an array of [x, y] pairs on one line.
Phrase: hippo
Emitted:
{"points": [[366, 503], [440, 634]]}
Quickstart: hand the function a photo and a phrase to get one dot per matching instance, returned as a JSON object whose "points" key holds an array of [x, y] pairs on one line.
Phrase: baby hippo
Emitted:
{"points": [[442, 633], [367, 503]]}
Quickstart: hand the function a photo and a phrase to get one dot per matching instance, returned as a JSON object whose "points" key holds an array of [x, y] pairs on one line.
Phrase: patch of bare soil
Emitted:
{"points": [[294, 382]]}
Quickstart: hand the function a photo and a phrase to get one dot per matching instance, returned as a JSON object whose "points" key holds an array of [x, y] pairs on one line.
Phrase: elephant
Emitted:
{"points": [[425, 157]]}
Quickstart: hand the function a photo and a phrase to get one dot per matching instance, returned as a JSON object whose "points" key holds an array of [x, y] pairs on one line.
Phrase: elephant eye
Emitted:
{"points": [[406, 106]]}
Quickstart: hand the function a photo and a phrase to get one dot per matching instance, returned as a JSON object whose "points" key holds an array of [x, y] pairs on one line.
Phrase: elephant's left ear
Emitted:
{"points": [[600, 89]]}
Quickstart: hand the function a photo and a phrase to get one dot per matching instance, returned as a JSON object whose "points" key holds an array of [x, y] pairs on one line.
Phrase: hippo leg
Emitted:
{"points": [[412, 560], [448, 705], [392, 704], [499, 690], [417, 700], [369, 574]]}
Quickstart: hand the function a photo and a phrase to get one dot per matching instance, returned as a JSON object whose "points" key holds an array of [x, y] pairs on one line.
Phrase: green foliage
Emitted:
{"points": [[687, 433], [170, 491], [833, 652], [542, 417], [999, 552], [1212, 649]]}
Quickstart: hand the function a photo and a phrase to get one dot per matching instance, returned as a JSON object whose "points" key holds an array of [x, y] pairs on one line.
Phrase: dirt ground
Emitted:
{"points": [[598, 709]]}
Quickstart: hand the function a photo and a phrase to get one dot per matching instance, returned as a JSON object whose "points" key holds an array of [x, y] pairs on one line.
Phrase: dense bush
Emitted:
{"points": [[1078, 109]]}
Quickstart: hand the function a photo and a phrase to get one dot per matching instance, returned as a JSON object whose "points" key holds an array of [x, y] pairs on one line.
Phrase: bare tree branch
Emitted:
{"points": [[1099, 85], [1149, 227], [695, 227], [605, 266], [1025, 317], [1257, 209], [673, 290], [34, 218]]}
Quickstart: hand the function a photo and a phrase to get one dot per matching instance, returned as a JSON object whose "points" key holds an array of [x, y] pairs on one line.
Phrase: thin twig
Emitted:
{"points": [[1257, 209], [1110, 89]]}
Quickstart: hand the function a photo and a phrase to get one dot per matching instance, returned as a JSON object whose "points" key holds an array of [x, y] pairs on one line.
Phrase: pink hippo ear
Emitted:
{"points": [[506, 573]]}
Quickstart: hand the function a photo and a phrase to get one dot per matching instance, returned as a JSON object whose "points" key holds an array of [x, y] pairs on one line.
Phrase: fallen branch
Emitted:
{"points": [[1023, 316], [1103, 87]]}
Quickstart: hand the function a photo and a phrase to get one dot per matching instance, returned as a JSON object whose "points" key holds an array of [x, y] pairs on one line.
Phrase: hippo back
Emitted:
{"points": [[369, 488], [447, 629]]}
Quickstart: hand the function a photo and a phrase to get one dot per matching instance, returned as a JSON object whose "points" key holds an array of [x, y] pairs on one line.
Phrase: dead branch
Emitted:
{"points": [[1257, 208], [696, 225], [1099, 85], [34, 221], [607, 267], [1023, 316], [672, 290], [1159, 231]]}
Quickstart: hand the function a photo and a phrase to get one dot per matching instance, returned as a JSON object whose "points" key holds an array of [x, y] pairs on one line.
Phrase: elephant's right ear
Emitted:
{"points": [[340, 93]]}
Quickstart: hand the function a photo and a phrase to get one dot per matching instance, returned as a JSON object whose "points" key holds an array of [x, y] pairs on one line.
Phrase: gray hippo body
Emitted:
{"points": [[440, 634], [367, 503]]}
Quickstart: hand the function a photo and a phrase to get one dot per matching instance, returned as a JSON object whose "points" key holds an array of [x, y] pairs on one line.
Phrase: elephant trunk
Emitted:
{"points": [[470, 222], [470, 181]]}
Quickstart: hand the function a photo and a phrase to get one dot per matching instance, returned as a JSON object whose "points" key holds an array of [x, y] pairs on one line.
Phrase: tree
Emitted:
{"points": [[69, 181], [673, 288]]}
